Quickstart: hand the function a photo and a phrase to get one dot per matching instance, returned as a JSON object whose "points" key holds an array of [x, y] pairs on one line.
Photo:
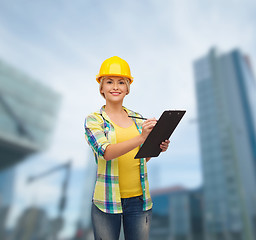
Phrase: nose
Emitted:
{"points": [[115, 85]]}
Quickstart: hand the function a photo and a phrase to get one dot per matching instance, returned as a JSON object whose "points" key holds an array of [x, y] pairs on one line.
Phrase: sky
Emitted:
{"points": [[62, 44]]}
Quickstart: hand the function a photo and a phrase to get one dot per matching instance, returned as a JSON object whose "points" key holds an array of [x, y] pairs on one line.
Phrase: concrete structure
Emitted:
{"points": [[226, 100], [27, 115]]}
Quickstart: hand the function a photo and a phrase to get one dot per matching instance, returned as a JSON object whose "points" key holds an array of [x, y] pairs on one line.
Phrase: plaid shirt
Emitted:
{"points": [[99, 133]]}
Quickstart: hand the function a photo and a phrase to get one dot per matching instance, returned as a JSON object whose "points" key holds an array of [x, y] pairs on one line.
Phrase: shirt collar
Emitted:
{"points": [[104, 114]]}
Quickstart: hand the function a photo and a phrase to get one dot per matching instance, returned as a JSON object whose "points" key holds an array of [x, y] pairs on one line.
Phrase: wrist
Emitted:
{"points": [[142, 139]]}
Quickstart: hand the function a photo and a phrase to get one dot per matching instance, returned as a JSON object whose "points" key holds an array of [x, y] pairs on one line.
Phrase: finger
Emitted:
{"points": [[163, 146], [166, 143], [163, 149], [151, 120], [148, 123]]}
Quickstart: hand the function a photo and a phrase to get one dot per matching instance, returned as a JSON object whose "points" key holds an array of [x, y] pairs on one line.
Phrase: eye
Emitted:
{"points": [[109, 82], [122, 82]]}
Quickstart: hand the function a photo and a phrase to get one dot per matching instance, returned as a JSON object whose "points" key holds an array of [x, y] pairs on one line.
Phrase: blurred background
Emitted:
{"points": [[194, 55]]}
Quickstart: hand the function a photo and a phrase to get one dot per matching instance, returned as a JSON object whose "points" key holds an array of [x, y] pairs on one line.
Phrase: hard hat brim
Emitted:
{"points": [[116, 75]]}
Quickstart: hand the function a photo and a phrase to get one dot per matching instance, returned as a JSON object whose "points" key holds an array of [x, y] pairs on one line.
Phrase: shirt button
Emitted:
{"points": [[142, 176]]}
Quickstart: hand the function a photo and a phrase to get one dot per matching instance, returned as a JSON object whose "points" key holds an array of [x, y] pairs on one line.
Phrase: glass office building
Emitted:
{"points": [[177, 214], [28, 112], [226, 101]]}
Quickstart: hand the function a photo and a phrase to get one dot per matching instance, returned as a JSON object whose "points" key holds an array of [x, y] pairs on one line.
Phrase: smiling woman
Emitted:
{"points": [[114, 80], [121, 188]]}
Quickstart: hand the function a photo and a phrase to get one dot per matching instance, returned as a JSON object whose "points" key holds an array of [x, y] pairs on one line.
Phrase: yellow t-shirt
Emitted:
{"points": [[129, 168]]}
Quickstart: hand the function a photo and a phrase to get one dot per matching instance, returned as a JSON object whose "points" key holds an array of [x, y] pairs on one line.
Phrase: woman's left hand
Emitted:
{"points": [[164, 145]]}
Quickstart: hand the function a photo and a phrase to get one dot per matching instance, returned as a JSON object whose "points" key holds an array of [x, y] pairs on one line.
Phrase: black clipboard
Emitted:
{"points": [[163, 129]]}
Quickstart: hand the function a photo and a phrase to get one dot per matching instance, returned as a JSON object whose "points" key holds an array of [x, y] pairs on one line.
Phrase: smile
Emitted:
{"points": [[115, 93]]}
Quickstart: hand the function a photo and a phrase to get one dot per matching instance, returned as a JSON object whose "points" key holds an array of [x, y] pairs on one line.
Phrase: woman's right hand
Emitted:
{"points": [[147, 127]]}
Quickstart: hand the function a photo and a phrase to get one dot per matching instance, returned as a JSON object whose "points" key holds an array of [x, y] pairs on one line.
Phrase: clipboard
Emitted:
{"points": [[163, 129]]}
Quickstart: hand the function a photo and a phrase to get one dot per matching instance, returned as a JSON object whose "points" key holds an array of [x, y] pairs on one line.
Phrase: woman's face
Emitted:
{"points": [[114, 88]]}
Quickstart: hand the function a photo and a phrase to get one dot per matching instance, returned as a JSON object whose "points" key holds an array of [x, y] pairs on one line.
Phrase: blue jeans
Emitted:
{"points": [[136, 222]]}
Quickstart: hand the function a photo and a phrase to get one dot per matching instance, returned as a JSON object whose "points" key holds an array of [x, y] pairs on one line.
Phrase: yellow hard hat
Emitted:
{"points": [[114, 66]]}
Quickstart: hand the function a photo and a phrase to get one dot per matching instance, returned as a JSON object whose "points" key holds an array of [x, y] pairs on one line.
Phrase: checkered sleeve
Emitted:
{"points": [[94, 134]]}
